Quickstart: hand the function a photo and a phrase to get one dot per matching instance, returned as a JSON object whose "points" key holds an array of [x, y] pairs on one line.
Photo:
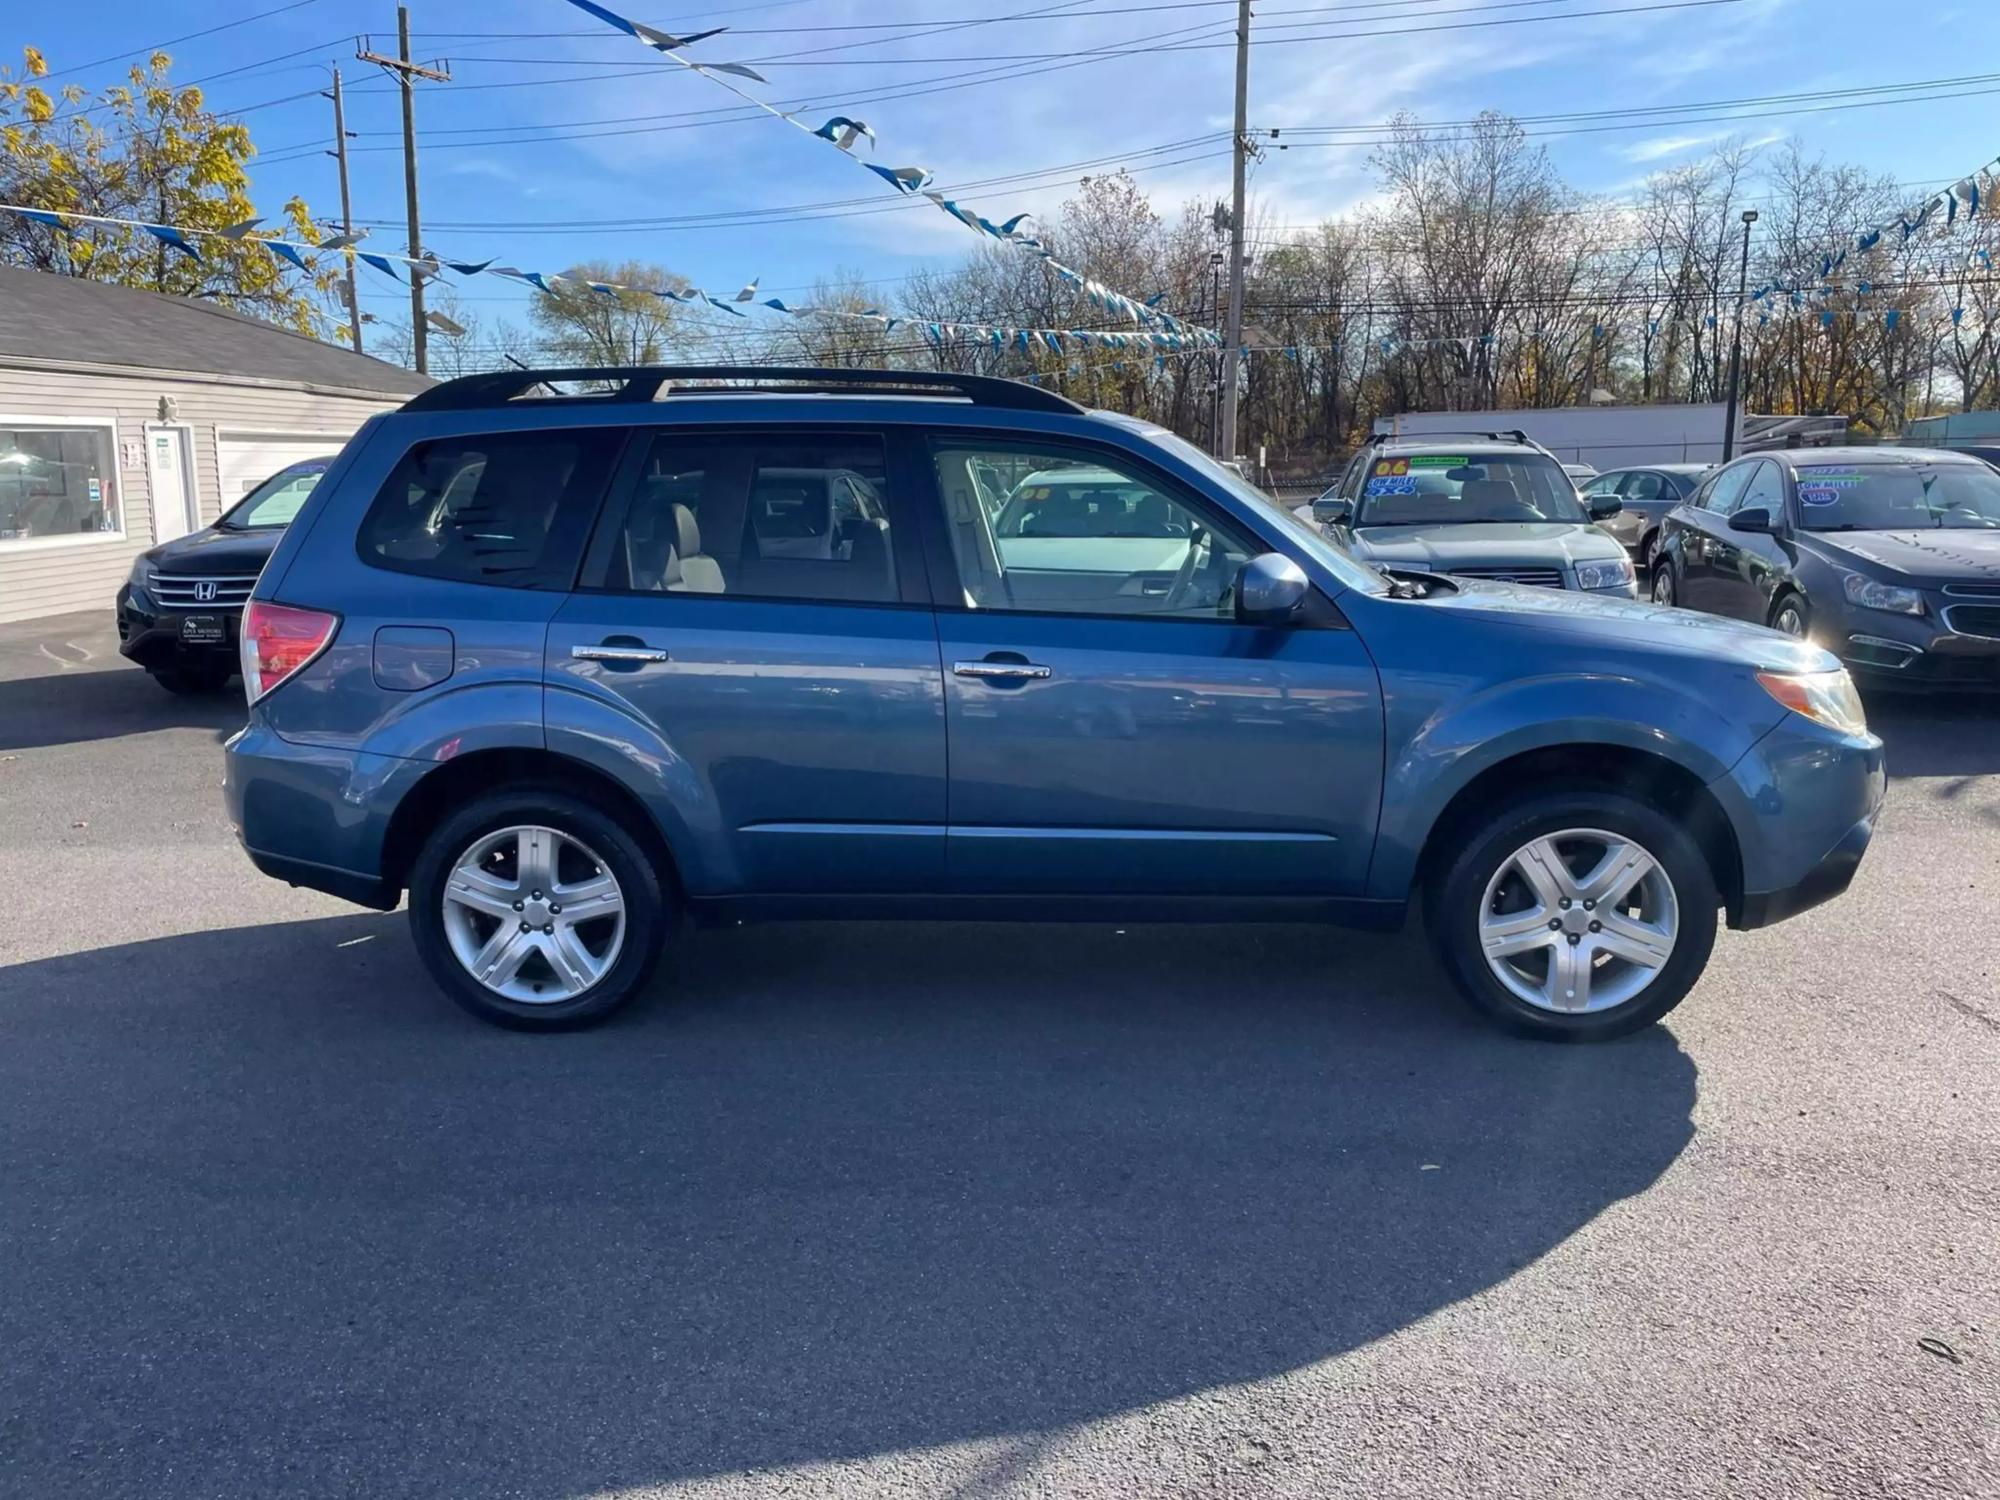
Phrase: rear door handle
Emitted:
{"points": [[618, 653], [1013, 670]]}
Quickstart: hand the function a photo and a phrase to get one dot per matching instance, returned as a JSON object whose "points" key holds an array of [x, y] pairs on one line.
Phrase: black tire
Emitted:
{"points": [[648, 906], [1795, 603], [191, 682], [1666, 587], [1649, 546], [1459, 892]]}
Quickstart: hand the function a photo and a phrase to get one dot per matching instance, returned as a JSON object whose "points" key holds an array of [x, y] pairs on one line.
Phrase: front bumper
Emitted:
{"points": [[1803, 804], [155, 637], [1914, 652]]}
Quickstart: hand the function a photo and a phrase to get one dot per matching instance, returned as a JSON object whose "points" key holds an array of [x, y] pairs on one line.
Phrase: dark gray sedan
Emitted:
{"points": [[1645, 495]]}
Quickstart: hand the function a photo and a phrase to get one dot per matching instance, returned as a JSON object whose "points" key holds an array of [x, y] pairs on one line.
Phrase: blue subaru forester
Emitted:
{"points": [[750, 643]]}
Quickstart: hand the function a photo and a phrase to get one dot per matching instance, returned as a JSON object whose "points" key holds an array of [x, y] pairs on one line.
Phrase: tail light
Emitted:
{"points": [[277, 640]]}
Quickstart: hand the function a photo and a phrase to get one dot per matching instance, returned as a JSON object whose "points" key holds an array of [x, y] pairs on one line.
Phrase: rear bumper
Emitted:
{"points": [[314, 816]]}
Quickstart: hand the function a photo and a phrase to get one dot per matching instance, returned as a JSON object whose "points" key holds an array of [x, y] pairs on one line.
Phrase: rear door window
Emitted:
{"points": [[510, 509]]}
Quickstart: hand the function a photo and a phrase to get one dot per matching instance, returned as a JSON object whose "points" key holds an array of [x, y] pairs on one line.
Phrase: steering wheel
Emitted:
{"points": [[1175, 597]]}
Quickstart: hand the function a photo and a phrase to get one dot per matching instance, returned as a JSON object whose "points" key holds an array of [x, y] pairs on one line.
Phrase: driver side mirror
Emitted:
{"points": [[1604, 507], [1755, 519], [1332, 510], [1270, 590]]}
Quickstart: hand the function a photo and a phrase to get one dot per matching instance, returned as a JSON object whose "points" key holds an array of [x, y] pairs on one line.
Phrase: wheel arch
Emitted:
{"points": [[1655, 779], [479, 772]]}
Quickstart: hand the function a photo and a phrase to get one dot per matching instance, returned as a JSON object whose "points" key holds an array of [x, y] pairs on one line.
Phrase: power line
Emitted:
{"points": [[174, 41]]}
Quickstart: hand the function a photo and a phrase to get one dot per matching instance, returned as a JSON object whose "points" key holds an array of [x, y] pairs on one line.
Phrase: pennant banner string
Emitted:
{"points": [[842, 133]]}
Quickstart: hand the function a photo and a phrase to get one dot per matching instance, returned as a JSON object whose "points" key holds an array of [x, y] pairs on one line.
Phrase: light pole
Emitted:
{"points": [[1736, 343]]}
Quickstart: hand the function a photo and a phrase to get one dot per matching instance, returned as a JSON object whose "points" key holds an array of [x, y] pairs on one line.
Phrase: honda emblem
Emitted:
{"points": [[204, 592]]}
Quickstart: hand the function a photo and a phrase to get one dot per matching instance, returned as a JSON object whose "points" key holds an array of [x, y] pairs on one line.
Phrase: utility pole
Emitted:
{"points": [[407, 73], [1232, 354], [339, 153], [1736, 344]]}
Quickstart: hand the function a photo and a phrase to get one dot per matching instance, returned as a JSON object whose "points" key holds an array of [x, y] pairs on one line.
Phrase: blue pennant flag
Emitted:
{"points": [[1957, 315], [1864, 288], [167, 235], [728, 307], [386, 266], [776, 305], [1021, 339], [467, 267], [602, 288], [534, 279], [1869, 240], [43, 216], [843, 132], [903, 179], [1893, 316], [283, 250], [1826, 318], [1053, 340]]}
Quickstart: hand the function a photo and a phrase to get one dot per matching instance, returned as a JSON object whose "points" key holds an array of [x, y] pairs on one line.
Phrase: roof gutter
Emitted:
{"points": [[199, 377]]}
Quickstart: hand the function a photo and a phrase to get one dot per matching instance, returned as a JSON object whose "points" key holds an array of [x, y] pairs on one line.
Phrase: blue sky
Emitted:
{"points": [[498, 181]]}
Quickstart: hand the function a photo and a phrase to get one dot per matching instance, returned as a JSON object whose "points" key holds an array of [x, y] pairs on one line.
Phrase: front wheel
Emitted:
{"points": [[1792, 615], [536, 910], [1576, 916], [1665, 591]]}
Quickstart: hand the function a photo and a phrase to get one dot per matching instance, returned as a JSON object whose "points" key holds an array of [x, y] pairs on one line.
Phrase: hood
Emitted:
{"points": [[1631, 625], [212, 552], [1496, 544], [1930, 556]]}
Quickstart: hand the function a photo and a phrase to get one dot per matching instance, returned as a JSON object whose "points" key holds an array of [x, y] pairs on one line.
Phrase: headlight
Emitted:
{"points": [[1869, 594], [1613, 574], [1824, 697]]}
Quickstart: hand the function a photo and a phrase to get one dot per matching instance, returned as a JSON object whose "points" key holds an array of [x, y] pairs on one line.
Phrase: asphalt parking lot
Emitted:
{"points": [[967, 1210]]}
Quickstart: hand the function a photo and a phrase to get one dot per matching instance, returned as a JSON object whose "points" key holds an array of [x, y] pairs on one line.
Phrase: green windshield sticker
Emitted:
{"points": [[1437, 461]]}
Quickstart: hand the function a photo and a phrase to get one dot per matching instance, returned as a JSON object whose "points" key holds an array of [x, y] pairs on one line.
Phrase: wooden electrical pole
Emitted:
{"points": [[407, 73], [339, 154], [1232, 353]]}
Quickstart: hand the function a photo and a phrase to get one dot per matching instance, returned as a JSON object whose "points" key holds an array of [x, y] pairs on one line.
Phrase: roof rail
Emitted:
{"points": [[1512, 435], [643, 383]]}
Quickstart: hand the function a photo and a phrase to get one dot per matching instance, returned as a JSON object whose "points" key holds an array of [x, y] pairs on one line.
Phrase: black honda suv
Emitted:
{"points": [[179, 612]]}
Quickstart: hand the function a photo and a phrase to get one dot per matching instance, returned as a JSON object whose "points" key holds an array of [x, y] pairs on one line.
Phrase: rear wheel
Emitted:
{"points": [[536, 910], [1576, 916]]}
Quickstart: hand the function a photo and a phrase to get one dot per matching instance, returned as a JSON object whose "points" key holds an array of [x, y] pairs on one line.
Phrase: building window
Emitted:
{"points": [[56, 482]]}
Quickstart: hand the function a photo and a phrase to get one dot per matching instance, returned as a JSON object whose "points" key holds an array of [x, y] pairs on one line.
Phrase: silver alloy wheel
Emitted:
{"points": [[534, 915], [1578, 921], [1663, 586], [1790, 620]]}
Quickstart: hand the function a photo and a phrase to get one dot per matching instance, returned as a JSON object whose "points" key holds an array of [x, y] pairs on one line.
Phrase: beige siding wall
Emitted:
{"points": [[53, 578]]}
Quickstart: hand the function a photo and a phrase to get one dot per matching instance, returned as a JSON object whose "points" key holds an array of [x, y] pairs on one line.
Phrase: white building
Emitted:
{"points": [[128, 418]]}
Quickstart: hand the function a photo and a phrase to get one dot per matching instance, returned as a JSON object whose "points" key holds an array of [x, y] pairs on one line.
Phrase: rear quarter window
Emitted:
{"points": [[509, 509]]}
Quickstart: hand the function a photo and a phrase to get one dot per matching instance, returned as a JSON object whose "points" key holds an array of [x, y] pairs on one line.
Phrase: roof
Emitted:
{"points": [[66, 320], [1798, 456], [1463, 442]]}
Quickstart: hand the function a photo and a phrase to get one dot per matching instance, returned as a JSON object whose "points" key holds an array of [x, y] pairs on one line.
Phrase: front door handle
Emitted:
{"points": [[617, 653], [1005, 670]]}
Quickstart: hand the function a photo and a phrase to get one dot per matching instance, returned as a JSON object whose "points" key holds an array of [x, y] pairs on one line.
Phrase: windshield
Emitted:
{"points": [[1898, 497], [277, 499], [1430, 489], [1305, 535], [1087, 502]]}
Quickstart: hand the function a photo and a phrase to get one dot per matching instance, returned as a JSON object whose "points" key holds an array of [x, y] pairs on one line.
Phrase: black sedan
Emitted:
{"points": [[179, 611], [1645, 495], [1890, 557]]}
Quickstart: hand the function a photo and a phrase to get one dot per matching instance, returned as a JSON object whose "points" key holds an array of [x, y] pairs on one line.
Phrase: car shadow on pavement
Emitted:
{"points": [[67, 708], [1937, 734], [278, 1218]]}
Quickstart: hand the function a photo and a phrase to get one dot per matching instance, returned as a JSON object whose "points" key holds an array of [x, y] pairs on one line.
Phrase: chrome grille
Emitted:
{"points": [[1973, 590], [191, 591], [1541, 578], [1975, 619]]}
